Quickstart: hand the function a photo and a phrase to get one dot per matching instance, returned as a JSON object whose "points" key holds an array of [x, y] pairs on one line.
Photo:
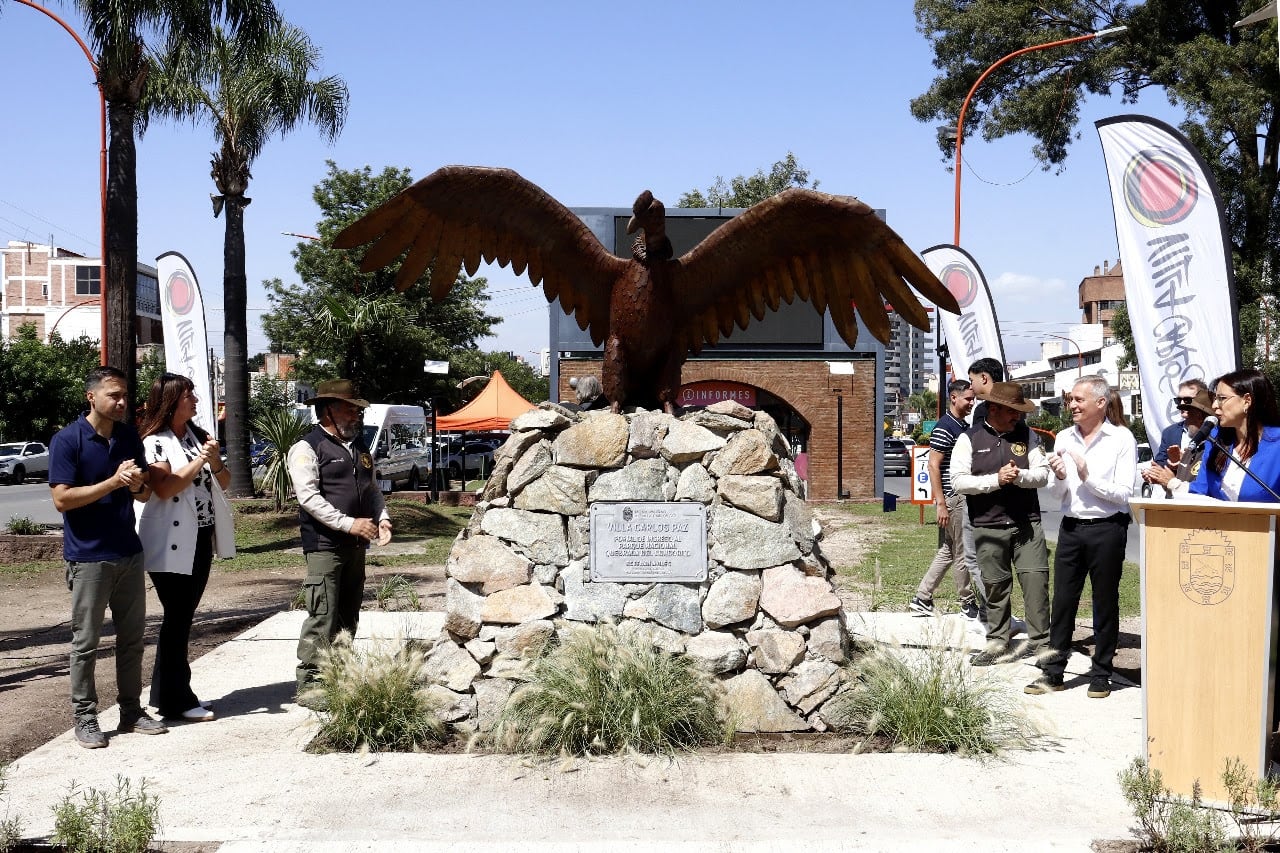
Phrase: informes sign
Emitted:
{"points": [[646, 542], [706, 393], [921, 485]]}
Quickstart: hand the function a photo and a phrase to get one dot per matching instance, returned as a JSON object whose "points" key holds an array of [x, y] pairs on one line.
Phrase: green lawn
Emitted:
{"points": [[905, 553]]}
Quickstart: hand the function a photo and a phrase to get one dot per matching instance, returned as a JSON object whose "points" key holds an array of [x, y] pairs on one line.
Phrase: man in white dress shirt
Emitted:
{"points": [[1092, 463]]}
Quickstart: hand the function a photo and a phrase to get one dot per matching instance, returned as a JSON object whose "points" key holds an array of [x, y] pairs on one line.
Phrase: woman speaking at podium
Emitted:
{"points": [[1249, 428]]}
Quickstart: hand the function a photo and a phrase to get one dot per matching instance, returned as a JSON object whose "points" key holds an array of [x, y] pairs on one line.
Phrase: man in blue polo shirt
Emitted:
{"points": [[96, 471]]}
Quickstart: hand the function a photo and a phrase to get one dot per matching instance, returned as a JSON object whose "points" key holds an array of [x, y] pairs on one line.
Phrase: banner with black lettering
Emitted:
{"points": [[974, 333], [1179, 285], [186, 343]]}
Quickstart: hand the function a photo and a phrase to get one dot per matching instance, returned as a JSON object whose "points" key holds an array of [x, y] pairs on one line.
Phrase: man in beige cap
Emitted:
{"points": [[998, 464], [340, 511], [1173, 467]]}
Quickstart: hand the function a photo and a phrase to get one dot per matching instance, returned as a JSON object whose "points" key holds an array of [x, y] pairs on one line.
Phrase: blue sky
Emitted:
{"points": [[594, 102]]}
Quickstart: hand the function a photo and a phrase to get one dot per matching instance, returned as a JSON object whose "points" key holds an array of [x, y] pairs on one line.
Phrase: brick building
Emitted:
{"points": [[828, 399], [56, 289], [1100, 295]]}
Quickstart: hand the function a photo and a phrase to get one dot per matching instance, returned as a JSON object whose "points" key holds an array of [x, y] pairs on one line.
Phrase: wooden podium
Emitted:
{"points": [[1208, 637]]}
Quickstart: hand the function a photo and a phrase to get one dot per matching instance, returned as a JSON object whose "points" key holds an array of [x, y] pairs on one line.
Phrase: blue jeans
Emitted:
{"points": [[121, 585]]}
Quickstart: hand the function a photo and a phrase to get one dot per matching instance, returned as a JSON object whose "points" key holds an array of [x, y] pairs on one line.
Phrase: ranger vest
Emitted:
{"points": [[991, 451], [346, 483]]}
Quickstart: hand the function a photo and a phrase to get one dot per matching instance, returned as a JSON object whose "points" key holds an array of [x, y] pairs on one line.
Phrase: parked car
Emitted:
{"points": [[22, 459], [897, 457], [478, 456]]}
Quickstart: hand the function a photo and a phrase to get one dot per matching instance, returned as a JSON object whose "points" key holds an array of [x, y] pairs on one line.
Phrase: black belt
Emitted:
{"points": [[1118, 518]]}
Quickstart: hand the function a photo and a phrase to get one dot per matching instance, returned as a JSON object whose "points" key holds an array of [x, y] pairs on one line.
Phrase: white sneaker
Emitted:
{"points": [[1016, 626], [198, 714]]}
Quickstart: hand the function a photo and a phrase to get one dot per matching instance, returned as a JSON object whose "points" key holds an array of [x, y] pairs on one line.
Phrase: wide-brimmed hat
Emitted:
{"points": [[338, 389], [1008, 394], [1202, 401]]}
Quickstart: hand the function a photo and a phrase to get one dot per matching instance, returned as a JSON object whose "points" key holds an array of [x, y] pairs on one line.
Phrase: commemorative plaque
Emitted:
{"points": [[645, 542]]}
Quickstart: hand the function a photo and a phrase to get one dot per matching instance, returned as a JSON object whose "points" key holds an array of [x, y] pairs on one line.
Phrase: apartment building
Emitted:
{"points": [[56, 289]]}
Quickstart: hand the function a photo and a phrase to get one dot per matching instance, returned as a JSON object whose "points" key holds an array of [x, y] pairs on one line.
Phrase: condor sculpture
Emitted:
{"points": [[653, 310]]}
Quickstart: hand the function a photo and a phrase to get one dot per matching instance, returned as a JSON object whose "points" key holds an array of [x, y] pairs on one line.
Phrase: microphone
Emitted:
{"points": [[1203, 435]]}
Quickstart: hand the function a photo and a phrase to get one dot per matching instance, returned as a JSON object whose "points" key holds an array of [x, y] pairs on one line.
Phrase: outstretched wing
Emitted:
{"points": [[831, 251], [461, 215]]}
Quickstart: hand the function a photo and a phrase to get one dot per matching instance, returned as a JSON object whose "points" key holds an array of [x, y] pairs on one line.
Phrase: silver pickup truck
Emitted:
{"points": [[22, 459]]}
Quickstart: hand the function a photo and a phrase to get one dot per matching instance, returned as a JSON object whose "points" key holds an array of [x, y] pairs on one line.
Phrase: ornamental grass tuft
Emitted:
{"points": [[375, 698], [930, 700], [598, 691]]}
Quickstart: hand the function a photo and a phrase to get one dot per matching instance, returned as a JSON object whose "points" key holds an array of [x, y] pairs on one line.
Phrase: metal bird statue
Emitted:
{"points": [[653, 310]]}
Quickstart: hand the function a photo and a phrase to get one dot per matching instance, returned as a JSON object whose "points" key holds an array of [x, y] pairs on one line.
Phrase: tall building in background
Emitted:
{"points": [[1100, 295], [910, 357], [56, 289]]}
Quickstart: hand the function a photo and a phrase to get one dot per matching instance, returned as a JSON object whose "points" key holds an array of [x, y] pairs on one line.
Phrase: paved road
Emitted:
{"points": [[30, 500], [1048, 520]]}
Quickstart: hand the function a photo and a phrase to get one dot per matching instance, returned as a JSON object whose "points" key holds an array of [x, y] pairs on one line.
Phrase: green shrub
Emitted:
{"points": [[600, 692], [283, 429], [929, 700], [1169, 824], [1253, 806], [20, 525], [397, 593], [375, 698], [10, 827], [97, 821]]}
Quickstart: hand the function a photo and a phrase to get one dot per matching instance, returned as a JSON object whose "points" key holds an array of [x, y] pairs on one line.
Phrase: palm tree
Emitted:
{"points": [[117, 31], [248, 90]]}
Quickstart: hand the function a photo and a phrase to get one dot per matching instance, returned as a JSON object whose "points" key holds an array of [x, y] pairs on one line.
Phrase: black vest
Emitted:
{"points": [[346, 483], [991, 451]]}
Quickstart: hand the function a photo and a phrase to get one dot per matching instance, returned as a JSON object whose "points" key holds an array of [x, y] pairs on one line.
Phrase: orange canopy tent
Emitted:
{"points": [[497, 404]]}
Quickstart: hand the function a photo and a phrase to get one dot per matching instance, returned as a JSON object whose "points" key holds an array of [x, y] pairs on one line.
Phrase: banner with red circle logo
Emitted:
{"points": [[974, 333], [1179, 285], [186, 343]]}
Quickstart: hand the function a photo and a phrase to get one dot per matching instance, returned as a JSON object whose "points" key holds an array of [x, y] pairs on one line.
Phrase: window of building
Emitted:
{"points": [[148, 294], [88, 281]]}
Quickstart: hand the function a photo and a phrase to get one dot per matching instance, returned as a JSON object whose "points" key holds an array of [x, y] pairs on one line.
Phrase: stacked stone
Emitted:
{"points": [[766, 620]]}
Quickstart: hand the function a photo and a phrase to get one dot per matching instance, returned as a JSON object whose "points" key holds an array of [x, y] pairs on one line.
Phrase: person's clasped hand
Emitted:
{"points": [[1008, 474]]}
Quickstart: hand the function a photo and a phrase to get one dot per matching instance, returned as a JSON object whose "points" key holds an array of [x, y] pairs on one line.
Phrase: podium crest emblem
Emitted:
{"points": [[1207, 567]]}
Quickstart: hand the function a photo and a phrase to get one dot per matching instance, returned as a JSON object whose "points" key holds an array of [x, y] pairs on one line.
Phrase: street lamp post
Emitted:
{"points": [[102, 172], [1079, 354], [964, 107]]}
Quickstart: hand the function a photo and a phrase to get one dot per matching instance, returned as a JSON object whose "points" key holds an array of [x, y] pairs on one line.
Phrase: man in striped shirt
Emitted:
{"points": [[950, 506]]}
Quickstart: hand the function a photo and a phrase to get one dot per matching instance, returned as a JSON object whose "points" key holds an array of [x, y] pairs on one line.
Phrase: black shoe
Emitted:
{"points": [[969, 608], [1044, 684], [89, 735], [142, 724], [986, 658], [1100, 688], [921, 605]]}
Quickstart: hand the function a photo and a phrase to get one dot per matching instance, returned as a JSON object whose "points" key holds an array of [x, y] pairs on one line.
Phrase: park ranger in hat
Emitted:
{"points": [[340, 511], [998, 464]]}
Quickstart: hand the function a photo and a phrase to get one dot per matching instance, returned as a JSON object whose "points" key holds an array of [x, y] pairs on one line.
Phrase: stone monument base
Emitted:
{"points": [[766, 621]]}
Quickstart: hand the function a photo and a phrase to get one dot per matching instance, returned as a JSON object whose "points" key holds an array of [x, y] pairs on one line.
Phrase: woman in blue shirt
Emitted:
{"points": [[1249, 427]]}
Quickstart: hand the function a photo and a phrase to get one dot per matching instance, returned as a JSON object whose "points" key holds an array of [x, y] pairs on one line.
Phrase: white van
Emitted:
{"points": [[400, 441]]}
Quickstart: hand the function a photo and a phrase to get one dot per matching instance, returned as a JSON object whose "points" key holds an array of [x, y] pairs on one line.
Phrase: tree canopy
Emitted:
{"points": [[341, 321], [1224, 78], [744, 191], [42, 385]]}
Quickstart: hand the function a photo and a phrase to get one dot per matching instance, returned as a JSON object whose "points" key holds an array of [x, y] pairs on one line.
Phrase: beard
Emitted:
{"points": [[347, 432]]}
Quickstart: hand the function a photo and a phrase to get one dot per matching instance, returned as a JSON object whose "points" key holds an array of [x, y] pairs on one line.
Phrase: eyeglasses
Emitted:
{"points": [[1219, 399], [1184, 401]]}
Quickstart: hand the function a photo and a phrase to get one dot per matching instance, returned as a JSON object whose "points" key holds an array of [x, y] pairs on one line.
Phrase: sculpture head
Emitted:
{"points": [[650, 216]]}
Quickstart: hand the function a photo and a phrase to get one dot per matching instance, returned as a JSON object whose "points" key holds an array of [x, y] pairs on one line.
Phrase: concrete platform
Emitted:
{"points": [[244, 780]]}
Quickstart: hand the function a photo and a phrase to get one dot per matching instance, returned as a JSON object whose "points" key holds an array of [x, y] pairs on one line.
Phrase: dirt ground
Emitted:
{"points": [[34, 641]]}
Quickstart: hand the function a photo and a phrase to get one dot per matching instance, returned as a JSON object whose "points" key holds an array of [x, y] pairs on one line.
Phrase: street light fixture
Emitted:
{"points": [[1079, 354], [102, 173], [964, 107]]}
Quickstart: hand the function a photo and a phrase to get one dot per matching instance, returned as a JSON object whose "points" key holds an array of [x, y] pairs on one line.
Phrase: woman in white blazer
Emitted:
{"points": [[181, 526]]}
